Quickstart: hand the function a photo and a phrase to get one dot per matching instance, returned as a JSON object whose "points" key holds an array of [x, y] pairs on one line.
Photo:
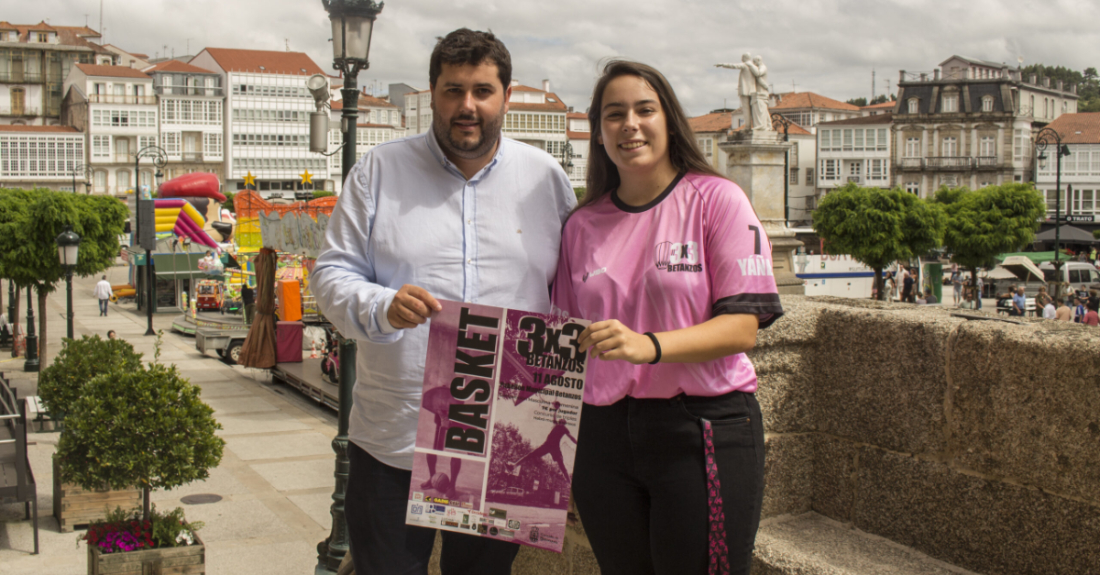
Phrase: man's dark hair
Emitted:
{"points": [[465, 46]]}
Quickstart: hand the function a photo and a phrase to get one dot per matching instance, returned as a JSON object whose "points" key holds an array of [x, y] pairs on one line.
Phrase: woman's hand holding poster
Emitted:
{"points": [[498, 425]]}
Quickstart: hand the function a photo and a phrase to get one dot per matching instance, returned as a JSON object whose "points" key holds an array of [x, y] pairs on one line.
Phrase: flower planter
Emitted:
{"points": [[75, 507], [189, 560]]}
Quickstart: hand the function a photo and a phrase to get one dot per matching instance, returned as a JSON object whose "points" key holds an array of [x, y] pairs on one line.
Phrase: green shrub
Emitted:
{"points": [[80, 361], [145, 427], [318, 194]]}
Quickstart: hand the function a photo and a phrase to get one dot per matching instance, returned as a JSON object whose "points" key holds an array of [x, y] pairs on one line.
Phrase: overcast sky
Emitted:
{"points": [[823, 46]]}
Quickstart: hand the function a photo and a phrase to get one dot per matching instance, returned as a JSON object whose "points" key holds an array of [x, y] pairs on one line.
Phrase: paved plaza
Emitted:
{"points": [[275, 479]]}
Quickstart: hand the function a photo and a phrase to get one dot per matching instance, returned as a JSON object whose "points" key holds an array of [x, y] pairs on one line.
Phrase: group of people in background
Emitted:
{"points": [[1077, 306]]}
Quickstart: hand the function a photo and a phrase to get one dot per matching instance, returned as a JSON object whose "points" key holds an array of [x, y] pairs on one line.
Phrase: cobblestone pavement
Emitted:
{"points": [[275, 479]]}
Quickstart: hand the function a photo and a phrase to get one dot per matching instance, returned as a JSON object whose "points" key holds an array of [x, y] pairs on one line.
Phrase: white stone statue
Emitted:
{"points": [[753, 90], [746, 87], [761, 117]]}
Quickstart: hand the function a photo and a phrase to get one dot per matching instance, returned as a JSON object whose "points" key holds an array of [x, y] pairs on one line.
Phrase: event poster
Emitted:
{"points": [[498, 424]]}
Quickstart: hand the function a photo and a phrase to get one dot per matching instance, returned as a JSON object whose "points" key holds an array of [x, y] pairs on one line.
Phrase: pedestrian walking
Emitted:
{"points": [[103, 293], [248, 300], [956, 283]]}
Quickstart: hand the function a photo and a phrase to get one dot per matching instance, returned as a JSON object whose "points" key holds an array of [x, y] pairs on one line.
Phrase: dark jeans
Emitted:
{"points": [[381, 543], [103, 306], [640, 482]]}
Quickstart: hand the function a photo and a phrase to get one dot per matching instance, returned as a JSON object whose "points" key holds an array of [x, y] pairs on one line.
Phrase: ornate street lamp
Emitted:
{"points": [[11, 312], [80, 170], [1044, 138], [31, 357], [352, 27], [567, 158], [68, 247], [160, 159]]}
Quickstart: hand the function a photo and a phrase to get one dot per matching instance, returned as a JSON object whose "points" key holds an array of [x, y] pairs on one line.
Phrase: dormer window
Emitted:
{"points": [[914, 106], [950, 104], [987, 103], [41, 37]]}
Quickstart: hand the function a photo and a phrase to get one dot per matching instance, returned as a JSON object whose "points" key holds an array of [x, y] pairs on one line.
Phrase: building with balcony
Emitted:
{"points": [[379, 121], [115, 107], [266, 122], [537, 117], [191, 102], [1080, 205], [970, 123], [41, 157], [856, 150], [34, 62], [579, 133]]}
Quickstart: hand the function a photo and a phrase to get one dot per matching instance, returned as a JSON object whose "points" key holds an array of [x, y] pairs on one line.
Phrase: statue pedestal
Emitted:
{"points": [[757, 163]]}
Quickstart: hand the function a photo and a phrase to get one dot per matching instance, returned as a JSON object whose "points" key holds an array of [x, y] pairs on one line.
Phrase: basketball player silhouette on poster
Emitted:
{"points": [[438, 401], [551, 446]]}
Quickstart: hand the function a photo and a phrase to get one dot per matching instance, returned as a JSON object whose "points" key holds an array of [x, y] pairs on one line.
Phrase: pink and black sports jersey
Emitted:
{"points": [[695, 252]]}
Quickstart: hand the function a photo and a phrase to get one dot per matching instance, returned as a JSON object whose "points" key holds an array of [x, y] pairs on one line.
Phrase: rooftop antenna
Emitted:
{"points": [[188, 45], [794, 87], [872, 84], [286, 41], [101, 19]]}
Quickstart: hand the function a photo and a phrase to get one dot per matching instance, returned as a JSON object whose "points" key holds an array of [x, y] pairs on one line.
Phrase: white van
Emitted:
{"points": [[1076, 273]]}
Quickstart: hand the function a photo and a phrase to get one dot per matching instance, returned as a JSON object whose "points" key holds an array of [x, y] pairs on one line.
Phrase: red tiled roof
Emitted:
{"points": [[713, 122], [862, 120], [272, 61], [1080, 128], [576, 115], [522, 88], [41, 26], [140, 55], [177, 66], [67, 35], [5, 25], [578, 135], [881, 106], [49, 129], [811, 100], [721, 121], [111, 71]]}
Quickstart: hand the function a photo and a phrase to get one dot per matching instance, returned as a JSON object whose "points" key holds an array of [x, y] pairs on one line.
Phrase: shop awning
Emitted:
{"points": [[181, 265], [1035, 257]]}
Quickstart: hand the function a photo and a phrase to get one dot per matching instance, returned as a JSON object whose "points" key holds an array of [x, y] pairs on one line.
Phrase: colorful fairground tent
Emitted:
{"points": [[290, 236]]}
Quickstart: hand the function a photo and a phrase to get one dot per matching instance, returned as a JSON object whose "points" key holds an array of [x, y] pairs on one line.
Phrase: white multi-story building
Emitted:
{"points": [[418, 111], [116, 108], [267, 109], [856, 150], [537, 117], [1080, 203], [192, 130], [579, 133], [41, 157], [34, 62], [379, 121]]}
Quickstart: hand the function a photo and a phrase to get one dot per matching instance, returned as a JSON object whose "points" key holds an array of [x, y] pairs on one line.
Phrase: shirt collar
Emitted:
{"points": [[437, 153]]}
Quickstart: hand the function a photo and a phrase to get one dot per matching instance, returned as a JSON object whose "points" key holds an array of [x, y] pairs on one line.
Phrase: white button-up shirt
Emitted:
{"points": [[407, 215]]}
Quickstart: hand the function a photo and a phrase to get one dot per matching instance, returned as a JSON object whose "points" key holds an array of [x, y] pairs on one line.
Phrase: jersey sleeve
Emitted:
{"points": [[738, 256], [562, 296]]}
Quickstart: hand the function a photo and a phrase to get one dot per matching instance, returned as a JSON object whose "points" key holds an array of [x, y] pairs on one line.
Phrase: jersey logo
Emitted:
{"points": [[678, 257], [755, 266], [593, 274]]}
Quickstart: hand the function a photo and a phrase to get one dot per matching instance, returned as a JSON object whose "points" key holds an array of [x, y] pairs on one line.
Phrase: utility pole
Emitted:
{"points": [[872, 86]]}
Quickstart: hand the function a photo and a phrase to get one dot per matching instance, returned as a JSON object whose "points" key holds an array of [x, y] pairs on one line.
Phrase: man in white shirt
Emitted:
{"points": [[103, 293], [457, 213]]}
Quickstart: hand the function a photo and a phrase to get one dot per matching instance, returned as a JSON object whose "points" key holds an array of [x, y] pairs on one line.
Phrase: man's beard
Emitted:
{"points": [[490, 134]]}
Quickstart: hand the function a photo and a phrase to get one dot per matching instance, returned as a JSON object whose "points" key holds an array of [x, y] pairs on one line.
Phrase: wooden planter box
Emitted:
{"points": [[75, 507], [189, 560]]}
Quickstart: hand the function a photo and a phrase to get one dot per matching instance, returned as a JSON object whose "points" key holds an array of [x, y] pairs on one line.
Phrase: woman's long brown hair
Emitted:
{"points": [[683, 150]]}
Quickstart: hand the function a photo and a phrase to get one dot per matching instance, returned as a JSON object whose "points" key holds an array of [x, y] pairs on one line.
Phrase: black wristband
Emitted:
{"points": [[656, 344]]}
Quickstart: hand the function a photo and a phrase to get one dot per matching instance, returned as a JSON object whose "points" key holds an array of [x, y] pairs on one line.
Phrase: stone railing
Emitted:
{"points": [[974, 444]]}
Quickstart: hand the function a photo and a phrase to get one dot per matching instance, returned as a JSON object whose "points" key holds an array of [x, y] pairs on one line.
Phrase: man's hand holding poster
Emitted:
{"points": [[498, 425]]}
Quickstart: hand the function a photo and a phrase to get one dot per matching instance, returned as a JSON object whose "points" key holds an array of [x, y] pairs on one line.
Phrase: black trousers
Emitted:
{"points": [[640, 482], [381, 543]]}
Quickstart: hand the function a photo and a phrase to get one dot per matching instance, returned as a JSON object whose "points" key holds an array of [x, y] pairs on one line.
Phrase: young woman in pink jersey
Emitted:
{"points": [[668, 259]]}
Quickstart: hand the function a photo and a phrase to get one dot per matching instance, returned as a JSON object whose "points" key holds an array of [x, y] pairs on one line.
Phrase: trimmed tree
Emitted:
{"points": [[878, 227], [80, 361], [993, 220], [145, 427]]}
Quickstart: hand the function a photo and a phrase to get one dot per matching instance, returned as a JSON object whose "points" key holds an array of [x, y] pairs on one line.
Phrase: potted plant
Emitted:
{"points": [[59, 386], [126, 543], [145, 427]]}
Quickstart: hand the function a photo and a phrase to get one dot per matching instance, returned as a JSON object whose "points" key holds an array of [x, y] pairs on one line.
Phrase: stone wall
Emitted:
{"points": [[976, 442]]}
